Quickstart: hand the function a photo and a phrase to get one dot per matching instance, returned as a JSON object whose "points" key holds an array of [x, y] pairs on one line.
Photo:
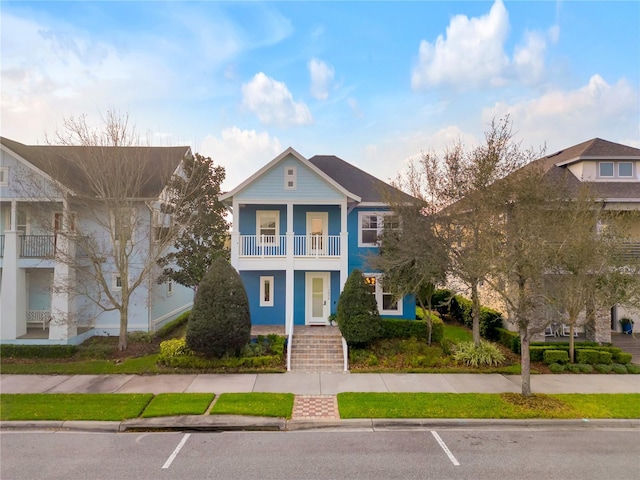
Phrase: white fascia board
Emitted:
{"points": [[277, 160], [31, 166], [581, 158]]}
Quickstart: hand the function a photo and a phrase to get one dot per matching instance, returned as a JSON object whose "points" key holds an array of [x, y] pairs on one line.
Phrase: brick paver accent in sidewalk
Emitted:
{"points": [[315, 407]]}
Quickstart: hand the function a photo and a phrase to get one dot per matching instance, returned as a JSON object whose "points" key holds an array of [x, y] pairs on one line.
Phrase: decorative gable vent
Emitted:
{"points": [[290, 178]]}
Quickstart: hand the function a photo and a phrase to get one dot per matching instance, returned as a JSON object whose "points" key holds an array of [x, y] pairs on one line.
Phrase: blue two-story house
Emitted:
{"points": [[300, 226]]}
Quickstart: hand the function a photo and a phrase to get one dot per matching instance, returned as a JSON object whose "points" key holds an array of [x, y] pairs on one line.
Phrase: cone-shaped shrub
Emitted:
{"points": [[357, 312], [220, 323]]}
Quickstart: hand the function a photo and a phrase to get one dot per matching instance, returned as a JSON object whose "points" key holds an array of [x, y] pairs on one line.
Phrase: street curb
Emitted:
{"points": [[222, 423]]}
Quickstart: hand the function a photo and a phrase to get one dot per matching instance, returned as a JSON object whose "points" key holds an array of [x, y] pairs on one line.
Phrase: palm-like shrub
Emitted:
{"points": [[485, 354], [220, 322], [357, 312]]}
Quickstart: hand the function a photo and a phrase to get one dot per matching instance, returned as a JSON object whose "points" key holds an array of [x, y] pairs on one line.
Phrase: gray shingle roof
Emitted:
{"points": [[593, 149], [366, 186], [59, 163]]}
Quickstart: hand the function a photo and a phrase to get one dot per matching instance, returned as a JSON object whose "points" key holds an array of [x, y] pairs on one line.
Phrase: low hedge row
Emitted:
{"points": [[588, 354], [397, 328], [37, 351], [509, 339]]}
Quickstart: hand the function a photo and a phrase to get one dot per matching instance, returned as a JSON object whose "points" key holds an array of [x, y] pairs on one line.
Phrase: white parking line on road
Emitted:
{"points": [[172, 457], [445, 448]]}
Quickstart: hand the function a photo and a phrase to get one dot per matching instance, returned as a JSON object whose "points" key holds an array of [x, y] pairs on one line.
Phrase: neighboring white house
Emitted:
{"points": [[44, 298]]}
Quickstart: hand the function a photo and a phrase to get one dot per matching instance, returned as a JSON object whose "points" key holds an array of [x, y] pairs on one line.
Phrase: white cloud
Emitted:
{"points": [[241, 152], [563, 118], [473, 55], [273, 103], [321, 78]]}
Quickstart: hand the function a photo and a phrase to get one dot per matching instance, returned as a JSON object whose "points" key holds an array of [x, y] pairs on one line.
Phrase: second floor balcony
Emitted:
{"points": [[308, 246]]}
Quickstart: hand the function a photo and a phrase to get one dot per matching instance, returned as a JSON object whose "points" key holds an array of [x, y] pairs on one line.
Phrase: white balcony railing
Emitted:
{"points": [[314, 246]]}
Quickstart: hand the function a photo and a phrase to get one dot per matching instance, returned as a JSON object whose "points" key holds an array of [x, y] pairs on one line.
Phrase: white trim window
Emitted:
{"points": [[4, 176], [123, 223], [116, 282], [266, 291], [58, 220], [268, 226], [290, 178], [616, 170], [387, 303], [372, 224], [169, 288]]}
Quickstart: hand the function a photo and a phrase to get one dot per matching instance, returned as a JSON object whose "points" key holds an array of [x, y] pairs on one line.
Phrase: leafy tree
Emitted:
{"points": [[413, 259], [357, 312], [220, 322], [206, 229]]}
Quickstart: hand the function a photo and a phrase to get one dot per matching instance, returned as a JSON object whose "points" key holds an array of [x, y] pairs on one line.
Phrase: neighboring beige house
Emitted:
{"points": [[613, 170]]}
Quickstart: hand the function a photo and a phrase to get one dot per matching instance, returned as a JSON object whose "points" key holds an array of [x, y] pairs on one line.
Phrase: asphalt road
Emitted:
{"points": [[523, 453]]}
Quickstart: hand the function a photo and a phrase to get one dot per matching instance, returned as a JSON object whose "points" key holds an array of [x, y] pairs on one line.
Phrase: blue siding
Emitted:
{"points": [[300, 217], [270, 185], [265, 315], [298, 297], [247, 218], [358, 255]]}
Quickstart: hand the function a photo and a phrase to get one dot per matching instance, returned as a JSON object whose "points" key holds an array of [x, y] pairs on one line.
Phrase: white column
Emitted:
{"points": [[63, 323], [235, 234], [288, 308], [344, 245], [13, 294]]}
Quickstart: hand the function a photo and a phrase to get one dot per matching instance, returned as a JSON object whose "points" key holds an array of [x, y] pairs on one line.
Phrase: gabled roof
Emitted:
{"points": [[57, 162], [290, 151], [368, 187], [554, 166]]}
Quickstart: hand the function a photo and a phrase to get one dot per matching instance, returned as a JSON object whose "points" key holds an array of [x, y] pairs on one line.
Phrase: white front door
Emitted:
{"points": [[317, 229], [318, 298]]}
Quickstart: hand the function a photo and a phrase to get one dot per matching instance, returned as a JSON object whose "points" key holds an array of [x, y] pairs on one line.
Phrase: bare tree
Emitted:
{"points": [[114, 226], [456, 187]]}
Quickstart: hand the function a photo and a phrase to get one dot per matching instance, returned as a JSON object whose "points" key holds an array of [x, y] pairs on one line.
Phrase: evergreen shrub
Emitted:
{"points": [[357, 312], [220, 322]]}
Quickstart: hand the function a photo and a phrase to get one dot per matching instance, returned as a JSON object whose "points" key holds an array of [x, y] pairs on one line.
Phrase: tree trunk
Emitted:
{"points": [[122, 338], [525, 363], [572, 352], [475, 312]]}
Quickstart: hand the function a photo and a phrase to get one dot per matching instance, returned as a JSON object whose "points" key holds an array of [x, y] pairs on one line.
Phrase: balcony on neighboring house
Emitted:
{"points": [[308, 246], [37, 246]]}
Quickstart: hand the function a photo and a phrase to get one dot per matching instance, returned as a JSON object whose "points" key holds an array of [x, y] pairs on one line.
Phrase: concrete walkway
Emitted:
{"points": [[317, 383]]}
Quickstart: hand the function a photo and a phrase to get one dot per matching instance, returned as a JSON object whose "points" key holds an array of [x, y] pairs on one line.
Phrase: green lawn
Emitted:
{"points": [[475, 405], [137, 365], [258, 404], [72, 406], [457, 333], [170, 404]]}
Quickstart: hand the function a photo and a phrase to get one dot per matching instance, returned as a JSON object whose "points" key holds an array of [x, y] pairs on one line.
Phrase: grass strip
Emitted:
{"points": [[477, 405], [170, 404], [72, 406], [137, 365], [257, 404]]}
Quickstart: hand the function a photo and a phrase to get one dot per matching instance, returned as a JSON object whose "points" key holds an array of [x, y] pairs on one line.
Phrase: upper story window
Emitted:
{"points": [[615, 169], [371, 225], [58, 221], [4, 176], [122, 224], [268, 226], [290, 178]]}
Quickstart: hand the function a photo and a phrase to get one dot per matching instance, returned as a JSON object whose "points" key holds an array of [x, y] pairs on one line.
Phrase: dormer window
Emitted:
{"points": [[615, 170], [290, 178]]}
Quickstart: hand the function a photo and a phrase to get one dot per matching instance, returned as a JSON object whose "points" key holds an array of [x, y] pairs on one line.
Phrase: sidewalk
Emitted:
{"points": [[317, 383]]}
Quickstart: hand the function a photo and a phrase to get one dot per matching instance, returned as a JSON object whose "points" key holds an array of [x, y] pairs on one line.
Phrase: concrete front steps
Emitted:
{"points": [[316, 349]]}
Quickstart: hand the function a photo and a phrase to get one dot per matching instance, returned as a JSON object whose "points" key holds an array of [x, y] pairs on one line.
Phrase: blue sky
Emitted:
{"points": [[375, 83]]}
